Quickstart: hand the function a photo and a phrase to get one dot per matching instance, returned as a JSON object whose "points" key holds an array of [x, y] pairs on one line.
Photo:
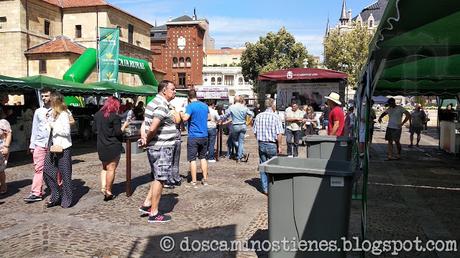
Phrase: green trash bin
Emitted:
{"points": [[309, 200], [328, 147]]}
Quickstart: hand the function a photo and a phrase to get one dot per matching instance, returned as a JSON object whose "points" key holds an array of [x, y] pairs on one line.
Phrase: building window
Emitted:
{"points": [[371, 23], [181, 62], [188, 62], [240, 81], [77, 31], [182, 77], [219, 80], [130, 33], [213, 81], [2, 21], [119, 31], [175, 62], [228, 79], [41, 66], [47, 27]]}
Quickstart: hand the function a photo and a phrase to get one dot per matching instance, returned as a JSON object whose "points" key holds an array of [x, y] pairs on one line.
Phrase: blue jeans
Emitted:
{"points": [[230, 147], [212, 133], [292, 140], [267, 151], [238, 132]]}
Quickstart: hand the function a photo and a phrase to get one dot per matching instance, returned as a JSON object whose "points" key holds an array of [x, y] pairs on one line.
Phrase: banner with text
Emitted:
{"points": [[108, 50]]}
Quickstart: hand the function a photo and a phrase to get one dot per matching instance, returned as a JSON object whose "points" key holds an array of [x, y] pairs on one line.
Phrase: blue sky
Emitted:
{"points": [[232, 23]]}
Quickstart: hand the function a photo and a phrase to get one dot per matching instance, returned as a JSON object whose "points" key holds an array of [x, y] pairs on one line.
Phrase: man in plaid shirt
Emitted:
{"points": [[268, 130]]}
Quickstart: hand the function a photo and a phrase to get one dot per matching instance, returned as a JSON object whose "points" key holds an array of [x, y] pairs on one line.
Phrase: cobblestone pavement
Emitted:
{"points": [[230, 208]]}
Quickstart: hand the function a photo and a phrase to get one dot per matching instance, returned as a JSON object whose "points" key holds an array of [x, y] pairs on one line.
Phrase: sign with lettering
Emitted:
{"points": [[212, 93], [107, 54]]}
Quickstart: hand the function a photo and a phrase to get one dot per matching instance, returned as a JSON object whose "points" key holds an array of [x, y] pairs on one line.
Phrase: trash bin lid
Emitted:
{"points": [[326, 138], [314, 167]]}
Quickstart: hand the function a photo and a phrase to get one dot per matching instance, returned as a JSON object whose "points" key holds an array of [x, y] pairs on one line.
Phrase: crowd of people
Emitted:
{"points": [[160, 136]]}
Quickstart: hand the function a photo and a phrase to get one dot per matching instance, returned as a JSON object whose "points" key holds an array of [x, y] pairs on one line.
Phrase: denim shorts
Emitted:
{"points": [[161, 162], [197, 147]]}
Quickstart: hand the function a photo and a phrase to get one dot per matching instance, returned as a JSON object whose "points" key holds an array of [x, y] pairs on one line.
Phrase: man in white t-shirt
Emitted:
{"points": [[394, 128], [294, 119], [213, 118], [418, 118]]}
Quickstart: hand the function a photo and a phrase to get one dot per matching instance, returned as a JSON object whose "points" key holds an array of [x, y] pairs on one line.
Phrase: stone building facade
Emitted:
{"points": [[224, 56], [222, 69], [26, 25], [369, 17]]}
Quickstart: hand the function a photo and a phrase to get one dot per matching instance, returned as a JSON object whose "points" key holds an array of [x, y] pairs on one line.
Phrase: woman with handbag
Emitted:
{"points": [[59, 156], [107, 125]]}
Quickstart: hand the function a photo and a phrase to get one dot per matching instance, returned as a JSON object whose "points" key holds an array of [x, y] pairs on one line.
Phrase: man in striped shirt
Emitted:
{"points": [[268, 130], [158, 134]]}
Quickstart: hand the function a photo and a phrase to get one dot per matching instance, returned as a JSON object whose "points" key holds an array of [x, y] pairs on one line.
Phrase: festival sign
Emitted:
{"points": [[108, 51]]}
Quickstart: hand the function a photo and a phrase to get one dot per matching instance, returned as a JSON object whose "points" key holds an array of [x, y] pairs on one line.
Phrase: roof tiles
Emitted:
{"points": [[76, 3], [60, 44]]}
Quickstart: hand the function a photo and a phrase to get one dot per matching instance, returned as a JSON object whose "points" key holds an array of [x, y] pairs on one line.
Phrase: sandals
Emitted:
{"points": [[108, 197]]}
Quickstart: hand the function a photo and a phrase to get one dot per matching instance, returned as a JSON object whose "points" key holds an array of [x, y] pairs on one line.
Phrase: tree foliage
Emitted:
{"points": [[347, 51], [273, 52]]}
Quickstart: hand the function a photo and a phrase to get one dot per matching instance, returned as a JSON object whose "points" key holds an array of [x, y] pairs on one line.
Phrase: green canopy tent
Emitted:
{"points": [[12, 83], [142, 90], [66, 87], [415, 51]]}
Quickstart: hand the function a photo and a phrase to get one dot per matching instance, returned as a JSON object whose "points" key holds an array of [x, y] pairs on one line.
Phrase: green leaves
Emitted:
{"points": [[273, 52], [347, 51]]}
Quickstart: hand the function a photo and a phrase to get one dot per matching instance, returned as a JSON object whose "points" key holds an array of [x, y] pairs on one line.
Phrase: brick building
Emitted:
{"points": [[179, 49]]}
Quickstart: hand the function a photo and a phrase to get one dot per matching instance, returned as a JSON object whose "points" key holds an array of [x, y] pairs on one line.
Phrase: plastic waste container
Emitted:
{"points": [[328, 147], [309, 200]]}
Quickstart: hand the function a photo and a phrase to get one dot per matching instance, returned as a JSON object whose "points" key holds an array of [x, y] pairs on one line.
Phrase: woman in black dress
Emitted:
{"points": [[107, 125]]}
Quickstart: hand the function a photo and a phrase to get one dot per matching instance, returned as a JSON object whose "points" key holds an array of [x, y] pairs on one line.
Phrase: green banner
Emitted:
{"points": [[108, 49]]}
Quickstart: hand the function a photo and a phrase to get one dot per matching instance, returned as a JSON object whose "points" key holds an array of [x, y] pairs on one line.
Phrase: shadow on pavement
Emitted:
{"points": [[15, 186], [194, 243], [255, 182], [260, 235], [168, 202], [120, 187], [76, 161], [20, 158], [80, 190]]}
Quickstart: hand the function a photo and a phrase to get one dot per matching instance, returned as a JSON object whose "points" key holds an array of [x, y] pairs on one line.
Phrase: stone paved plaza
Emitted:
{"points": [[230, 208]]}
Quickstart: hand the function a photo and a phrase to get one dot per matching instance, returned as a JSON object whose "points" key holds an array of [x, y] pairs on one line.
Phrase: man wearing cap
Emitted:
{"points": [[394, 128], [336, 115]]}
